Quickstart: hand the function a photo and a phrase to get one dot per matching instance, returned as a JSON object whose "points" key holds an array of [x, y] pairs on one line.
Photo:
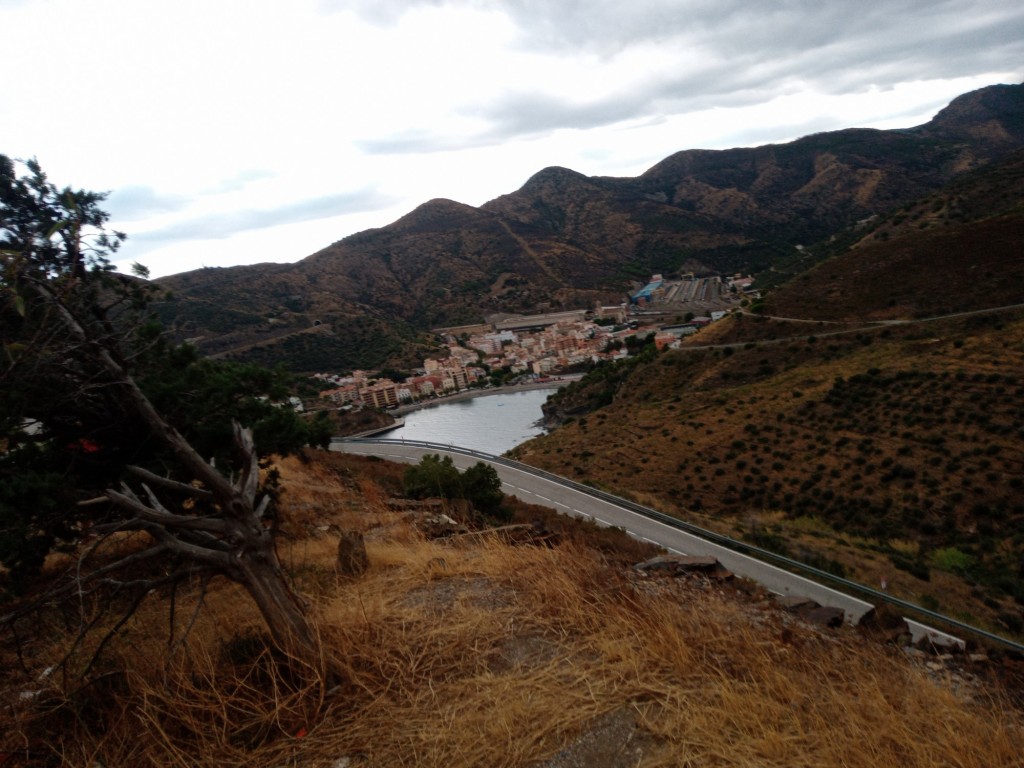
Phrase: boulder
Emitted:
{"points": [[825, 616], [795, 603], [811, 611], [682, 565], [440, 526], [886, 625], [352, 558]]}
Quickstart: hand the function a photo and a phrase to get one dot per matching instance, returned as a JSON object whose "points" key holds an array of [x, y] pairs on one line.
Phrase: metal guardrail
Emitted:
{"points": [[717, 538]]}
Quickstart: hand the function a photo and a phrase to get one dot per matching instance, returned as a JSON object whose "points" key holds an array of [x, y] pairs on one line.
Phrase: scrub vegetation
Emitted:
{"points": [[896, 435], [475, 651]]}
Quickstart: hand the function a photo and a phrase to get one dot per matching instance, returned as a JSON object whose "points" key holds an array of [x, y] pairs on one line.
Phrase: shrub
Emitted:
{"points": [[915, 568], [951, 559]]}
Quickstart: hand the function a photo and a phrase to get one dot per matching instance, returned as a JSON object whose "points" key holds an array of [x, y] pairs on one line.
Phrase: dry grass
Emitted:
{"points": [[482, 654]]}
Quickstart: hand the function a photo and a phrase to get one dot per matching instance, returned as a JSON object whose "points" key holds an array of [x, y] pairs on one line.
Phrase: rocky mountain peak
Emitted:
{"points": [[994, 114]]}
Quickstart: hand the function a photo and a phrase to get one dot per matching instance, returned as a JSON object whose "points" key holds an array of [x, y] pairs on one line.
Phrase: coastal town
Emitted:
{"points": [[533, 348]]}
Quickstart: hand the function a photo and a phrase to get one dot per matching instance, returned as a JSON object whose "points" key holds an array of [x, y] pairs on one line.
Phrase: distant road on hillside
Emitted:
{"points": [[870, 325], [898, 321]]}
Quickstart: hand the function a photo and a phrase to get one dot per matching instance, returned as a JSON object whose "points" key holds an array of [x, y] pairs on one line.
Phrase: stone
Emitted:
{"points": [[680, 565], [352, 558], [811, 611], [825, 615], [939, 642], [795, 603], [440, 526]]}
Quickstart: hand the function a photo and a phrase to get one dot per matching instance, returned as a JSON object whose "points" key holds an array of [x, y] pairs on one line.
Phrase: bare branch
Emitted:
{"points": [[155, 504], [248, 483], [139, 596], [78, 585], [93, 502], [216, 558], [169, 484], [262, 508], [208, 550], [131, 503], [200, 601], [141, 587]]}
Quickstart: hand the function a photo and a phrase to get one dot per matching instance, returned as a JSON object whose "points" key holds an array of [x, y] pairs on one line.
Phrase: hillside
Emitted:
{"points": [[874, 440], [956, 250], [565, 240], [477, 652], [875, 455]]}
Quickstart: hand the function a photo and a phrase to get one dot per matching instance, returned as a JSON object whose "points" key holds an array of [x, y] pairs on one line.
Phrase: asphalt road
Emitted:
{"points": [[536, 489]]}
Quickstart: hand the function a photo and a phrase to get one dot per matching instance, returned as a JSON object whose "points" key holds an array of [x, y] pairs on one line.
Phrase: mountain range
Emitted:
{"points": [[565, 240]]}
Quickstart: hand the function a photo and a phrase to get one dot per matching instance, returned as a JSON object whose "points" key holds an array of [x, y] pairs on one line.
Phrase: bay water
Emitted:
{"points": [[490, 423]]}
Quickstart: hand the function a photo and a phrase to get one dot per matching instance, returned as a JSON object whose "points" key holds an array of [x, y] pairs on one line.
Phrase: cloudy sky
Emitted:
{"points": [[243, 131]]}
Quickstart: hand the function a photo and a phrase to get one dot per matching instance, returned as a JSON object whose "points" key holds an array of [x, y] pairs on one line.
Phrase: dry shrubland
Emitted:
{"points": [[832, 450], [479, 653]]}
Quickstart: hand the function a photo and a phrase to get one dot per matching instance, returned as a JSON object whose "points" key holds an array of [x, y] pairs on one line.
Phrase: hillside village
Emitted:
{"points": [[534, 347]]}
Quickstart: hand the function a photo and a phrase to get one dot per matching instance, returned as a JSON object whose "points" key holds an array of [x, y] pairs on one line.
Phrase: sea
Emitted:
{"points": [[490, 423]]}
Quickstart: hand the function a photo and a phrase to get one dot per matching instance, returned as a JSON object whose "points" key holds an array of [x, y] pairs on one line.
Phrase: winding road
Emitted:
{"points": [[569, 498], [676, 536]]}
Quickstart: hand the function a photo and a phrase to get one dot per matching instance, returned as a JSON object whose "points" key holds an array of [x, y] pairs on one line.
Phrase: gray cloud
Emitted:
{"points": [[738, 27], [140, 201], [218, 226], [137, 202], [735, 73], [730, 27], [744, 54], [242, 180], [418, 141]]}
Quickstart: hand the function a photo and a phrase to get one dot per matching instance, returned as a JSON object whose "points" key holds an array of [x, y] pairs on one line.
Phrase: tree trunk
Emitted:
{"points": [[258, 569]]}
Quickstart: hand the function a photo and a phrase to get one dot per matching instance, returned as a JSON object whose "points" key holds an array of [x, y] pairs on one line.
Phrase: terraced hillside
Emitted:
{"points": [[891, 454]]}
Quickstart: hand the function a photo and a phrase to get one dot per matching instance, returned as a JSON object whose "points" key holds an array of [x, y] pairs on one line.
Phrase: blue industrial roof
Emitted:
{"points": [[647, 290]]}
